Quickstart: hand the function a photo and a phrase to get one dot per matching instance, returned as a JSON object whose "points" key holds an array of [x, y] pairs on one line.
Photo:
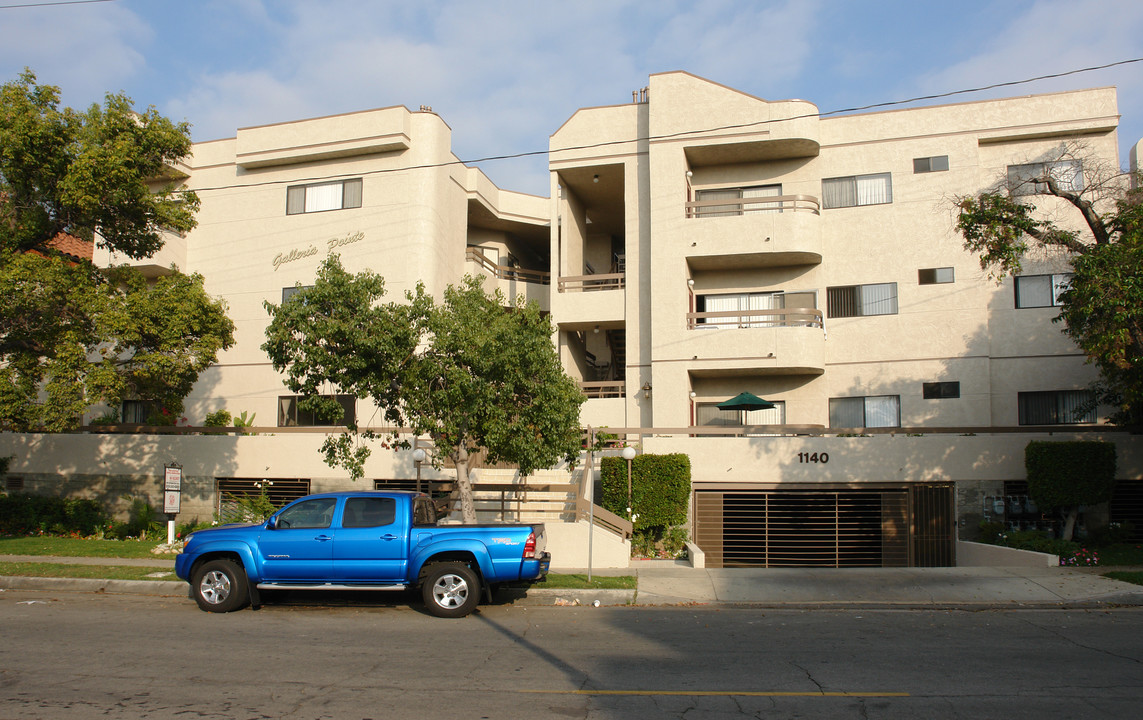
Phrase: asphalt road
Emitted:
{"points": [[80, 655]]}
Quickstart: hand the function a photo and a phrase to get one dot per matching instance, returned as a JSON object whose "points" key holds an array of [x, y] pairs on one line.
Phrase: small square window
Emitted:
{"points": [[289, 292], [940, 390], [937, 163], [935, 276]]}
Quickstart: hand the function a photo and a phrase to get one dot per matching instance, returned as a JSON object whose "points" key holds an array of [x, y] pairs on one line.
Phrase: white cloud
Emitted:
{"points": [[86, 50], [1055, 36]]}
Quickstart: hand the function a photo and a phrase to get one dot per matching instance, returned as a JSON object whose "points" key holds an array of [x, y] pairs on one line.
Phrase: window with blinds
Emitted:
{"points": [[320, 197], [1034, 291], [738, 201], [865, 412], [855, 190], [1057, 407], [862, 300], [1031, 179]]}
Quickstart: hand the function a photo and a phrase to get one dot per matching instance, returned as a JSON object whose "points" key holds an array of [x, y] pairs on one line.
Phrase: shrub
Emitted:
{"points": [[23, 514], [1065, 475], [220, 418], [660, 489]]}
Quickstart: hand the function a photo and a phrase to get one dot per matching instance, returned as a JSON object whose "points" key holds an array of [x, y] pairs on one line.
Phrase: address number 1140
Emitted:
{"points": [[818, 458]]}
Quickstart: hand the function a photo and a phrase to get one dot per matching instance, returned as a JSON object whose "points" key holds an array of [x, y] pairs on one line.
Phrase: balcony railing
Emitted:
{"points": [[769, 318], [727, 207], [590, 283], [608, 389], [505, 272]]}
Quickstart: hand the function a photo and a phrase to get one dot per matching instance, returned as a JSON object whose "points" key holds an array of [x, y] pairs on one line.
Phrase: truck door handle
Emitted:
{"points": [[388, 536], [323, 538]]}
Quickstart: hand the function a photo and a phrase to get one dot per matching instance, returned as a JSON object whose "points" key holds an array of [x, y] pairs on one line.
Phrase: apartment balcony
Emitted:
{"points": [[771, 231], [173, 252], [771, 341], [587, 300], [512, 280]]}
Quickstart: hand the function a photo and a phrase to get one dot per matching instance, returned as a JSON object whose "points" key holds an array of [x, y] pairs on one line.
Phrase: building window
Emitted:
{"points": [[138, 412], [1057, 407], [940, 390], [937, 163], [707, 414], [290, 415], [862, 300], [865, 412], [935, 276], [323, 196], [857, 190], [1034, 291], [727, 197], [1022, 179], [289, 292]]}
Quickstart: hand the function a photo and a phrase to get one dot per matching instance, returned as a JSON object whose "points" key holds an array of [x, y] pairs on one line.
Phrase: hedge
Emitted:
{"points": [[660, 488], [22, 514], [1071, 473]]}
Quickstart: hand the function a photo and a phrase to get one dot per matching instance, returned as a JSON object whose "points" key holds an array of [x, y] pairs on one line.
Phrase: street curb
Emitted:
{"points": [[91, 585], [537, 597]]}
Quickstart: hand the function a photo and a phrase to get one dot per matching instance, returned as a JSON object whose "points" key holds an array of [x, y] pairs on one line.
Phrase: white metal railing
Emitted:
{"points": [[727, 207], [770, 317]]}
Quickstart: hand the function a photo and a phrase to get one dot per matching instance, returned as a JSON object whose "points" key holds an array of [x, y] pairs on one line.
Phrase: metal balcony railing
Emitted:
{"points": [[728, 207], [768, 318]]}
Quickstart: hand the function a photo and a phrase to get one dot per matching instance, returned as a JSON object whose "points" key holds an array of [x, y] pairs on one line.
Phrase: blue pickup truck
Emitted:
{"points": [[360, 541]]}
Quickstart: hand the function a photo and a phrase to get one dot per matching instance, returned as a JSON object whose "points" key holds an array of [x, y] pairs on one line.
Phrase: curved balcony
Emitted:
{"points": [[754, 232], [771, 341]]}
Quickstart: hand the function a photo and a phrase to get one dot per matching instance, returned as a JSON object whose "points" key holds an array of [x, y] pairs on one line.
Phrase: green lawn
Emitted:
{"points": [[74, 547], [102, 572], [1126, 576], [77, 547]]}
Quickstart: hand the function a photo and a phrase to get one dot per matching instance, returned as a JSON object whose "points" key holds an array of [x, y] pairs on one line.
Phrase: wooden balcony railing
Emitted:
{"points": [[608, 389], [774, 317], [505, 272], [727, 207]]}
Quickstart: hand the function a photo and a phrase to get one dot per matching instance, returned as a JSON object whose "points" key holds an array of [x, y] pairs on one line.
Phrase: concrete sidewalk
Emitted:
{"points": [[676, 583]]}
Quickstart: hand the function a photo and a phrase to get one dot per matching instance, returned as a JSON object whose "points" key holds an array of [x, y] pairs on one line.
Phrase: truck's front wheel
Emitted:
{"points": [[451, 589], [220, 586]]}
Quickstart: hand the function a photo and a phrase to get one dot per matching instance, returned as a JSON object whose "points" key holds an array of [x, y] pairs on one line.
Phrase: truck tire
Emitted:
{"points": [[450, 589], [220, 586]]}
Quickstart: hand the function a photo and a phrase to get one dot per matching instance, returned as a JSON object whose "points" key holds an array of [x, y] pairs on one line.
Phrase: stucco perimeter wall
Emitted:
{"points": [[108, 467], [978, 464]]}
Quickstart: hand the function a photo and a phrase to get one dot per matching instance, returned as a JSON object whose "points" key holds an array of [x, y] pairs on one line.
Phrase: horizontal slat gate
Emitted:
{"points": [[843, 528]]}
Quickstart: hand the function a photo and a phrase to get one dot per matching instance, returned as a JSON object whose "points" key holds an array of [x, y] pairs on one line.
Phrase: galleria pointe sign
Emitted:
{"points": [[332, 244]]}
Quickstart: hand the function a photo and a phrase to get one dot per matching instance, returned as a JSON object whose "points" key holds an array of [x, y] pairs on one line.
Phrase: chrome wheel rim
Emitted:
{"points": [[450, 591], [214, 587]]}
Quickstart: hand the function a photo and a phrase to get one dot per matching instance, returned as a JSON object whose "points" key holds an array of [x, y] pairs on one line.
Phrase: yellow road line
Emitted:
{"points": [[718, 693]]}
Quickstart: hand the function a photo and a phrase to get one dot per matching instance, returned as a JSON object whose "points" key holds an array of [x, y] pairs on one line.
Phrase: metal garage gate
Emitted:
{"points": [[877, 527]]}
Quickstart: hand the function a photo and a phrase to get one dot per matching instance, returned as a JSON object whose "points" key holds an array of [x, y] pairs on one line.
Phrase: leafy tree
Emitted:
{"points": [[1065, 475], [474, 375], [1102, 310], [72, 336], [94, 174]]}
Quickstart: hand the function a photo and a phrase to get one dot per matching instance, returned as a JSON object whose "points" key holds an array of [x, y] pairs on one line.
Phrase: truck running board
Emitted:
{"points": [[326, 586]]}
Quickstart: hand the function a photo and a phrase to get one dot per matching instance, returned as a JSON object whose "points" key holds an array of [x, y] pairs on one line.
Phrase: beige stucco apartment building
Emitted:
{"points": [[698, 243]]}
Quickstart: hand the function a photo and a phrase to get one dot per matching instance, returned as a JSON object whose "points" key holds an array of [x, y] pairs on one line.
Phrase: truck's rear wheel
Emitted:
{"points": [[451, 589], [220, 586]]}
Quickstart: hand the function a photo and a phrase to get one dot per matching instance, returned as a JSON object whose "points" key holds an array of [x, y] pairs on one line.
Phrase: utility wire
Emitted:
{"points": [[48, 4], [653, 138]]}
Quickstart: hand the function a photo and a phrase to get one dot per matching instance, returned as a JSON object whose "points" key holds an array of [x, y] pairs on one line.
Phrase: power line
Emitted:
{"points": [[48, 4], [653, 138]]}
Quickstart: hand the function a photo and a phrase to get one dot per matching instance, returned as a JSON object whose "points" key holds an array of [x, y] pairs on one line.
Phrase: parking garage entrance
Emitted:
{"points": [[866, 526]]}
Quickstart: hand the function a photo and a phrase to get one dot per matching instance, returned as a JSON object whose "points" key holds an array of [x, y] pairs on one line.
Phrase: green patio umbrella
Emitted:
{"points": [[745, 401]]}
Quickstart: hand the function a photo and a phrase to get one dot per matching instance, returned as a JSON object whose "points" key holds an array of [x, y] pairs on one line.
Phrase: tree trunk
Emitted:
{"points": [[1069, 523], [461, 459]]}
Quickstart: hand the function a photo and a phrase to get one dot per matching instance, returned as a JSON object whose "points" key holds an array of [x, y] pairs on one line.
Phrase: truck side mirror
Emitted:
{"points": [[272, 523]]}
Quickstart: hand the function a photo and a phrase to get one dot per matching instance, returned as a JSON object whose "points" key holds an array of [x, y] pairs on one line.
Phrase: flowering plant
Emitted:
{"points": [[1081, 558]]}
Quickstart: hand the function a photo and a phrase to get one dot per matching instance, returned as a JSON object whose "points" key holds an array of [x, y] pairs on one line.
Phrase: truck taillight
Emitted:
{"points": [[530, 547]]}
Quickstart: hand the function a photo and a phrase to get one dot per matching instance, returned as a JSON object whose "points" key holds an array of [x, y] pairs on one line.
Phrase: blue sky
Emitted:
{"points": [[505, 75]]}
